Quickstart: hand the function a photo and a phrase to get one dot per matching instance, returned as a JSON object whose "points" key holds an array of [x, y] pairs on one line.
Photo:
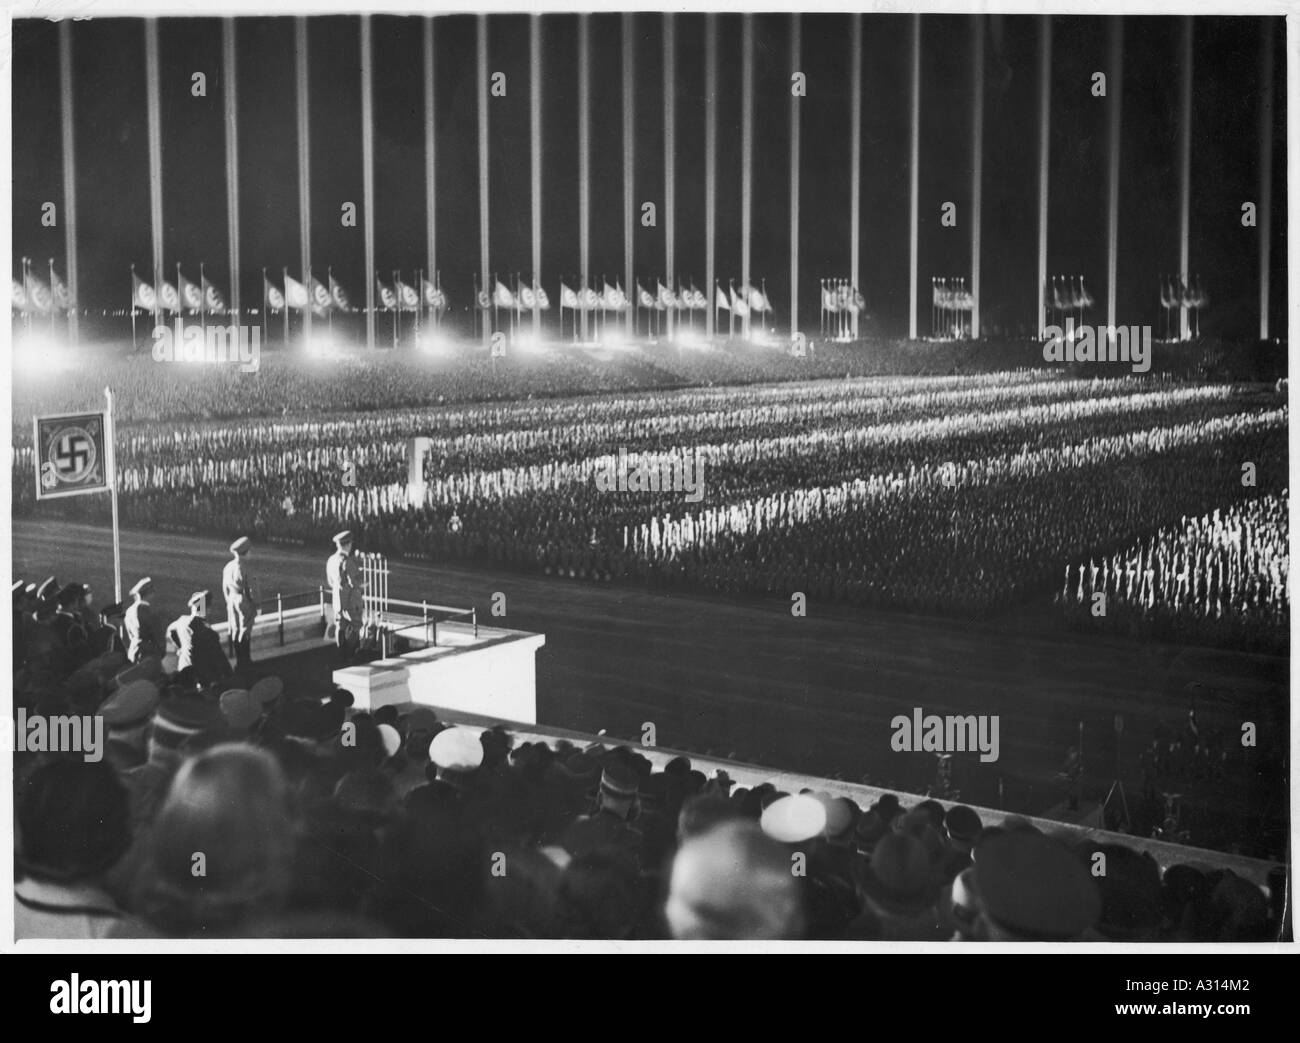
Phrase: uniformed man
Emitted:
{"points": [[144, 631], [349, 598], [199, 657], [107, 636], [68, 627], [241, 609]]}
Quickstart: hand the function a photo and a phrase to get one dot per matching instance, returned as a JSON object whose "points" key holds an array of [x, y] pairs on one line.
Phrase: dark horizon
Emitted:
{"points": [[113, 179]]}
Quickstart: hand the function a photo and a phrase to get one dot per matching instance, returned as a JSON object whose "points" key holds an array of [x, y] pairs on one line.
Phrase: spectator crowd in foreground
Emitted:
{"points": [[261, 809]]}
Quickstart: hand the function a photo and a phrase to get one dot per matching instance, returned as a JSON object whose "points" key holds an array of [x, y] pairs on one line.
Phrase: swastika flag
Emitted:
{"points": [[72, 455]]}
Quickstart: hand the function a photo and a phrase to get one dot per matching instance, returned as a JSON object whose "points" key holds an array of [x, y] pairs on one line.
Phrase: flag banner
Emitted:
{"points": [[859, 302], [543, 301], [321, 301], [683, 301], [829, 300], [340, 295], [721, 302], [644, 297], [739, 306], [502, 297], [190, 294], [665, 296], [439, 300], [71, 455], [39, 297], [410, 299], [430, 294], [386, 295], [20, 296], [295, 293], [757, 300], [62, 298], [568, 299], [168, 297], [484, 301], [590, 299], [212, 298], [527, 299], [698, 301], [610, 298], [274, 298]]}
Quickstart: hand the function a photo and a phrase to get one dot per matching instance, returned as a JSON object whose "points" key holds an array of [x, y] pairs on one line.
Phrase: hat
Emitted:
{"points": [[841, 814], [898, 876], [1130, 893], [115, 609], [240, 709], [1035, 886], [456, 749], [868, 831], [963, 824], [792, 820], [17, 587], [619, 781], [199, 599], [141, 586], [391, 738], [131, 705], [343, 537], [182, 717], [70, 594], [240, 545], [47, 590], [267, 690]]}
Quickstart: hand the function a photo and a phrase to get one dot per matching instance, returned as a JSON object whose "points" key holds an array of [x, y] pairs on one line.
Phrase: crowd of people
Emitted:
{"points": [[1224, 573], [271, 809], [945, 495]]}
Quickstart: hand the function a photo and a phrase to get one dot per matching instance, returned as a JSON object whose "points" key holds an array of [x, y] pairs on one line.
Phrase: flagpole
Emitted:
{"points": [[134, 344], [264, 333], [329, 315], [397, 307], [285, 284], [203, 302], [54, 302], [111, 444]]}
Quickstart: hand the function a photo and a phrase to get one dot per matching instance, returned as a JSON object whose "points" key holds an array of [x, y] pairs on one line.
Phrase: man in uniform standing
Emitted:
{"points": [[144, 632], [349, 598], [241, 609], [199, 658]]}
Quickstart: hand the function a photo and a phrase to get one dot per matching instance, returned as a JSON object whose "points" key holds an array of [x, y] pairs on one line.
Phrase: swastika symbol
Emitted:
{"points": [[73, 454]]}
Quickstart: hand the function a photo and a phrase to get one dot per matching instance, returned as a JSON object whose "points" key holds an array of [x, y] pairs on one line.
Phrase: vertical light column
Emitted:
{"points": [[535, 147], [1044, 160], [855, 159], [670, 162], [710, 163], [368, 173], [796, 58], [977, 172], [746, 157], [629, 158], [913, 233], [1265, 173], [304, 167], [430, 164], [69, 177], [153, 107], [1185, 171], [584, 161], [231, 100], [1115, 87], [483, 245]]}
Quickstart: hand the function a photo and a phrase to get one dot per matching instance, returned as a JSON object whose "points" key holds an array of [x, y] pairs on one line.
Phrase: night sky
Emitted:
{"points": [[113, 182]]}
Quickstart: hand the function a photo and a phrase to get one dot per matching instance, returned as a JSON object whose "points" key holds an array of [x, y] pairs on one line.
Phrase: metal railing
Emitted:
{"points": [[429, 624], [281, 601]]}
